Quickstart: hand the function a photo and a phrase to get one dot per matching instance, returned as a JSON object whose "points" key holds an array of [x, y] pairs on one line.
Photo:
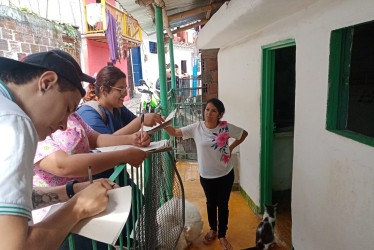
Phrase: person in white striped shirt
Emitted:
{"points": [[37, 95]]}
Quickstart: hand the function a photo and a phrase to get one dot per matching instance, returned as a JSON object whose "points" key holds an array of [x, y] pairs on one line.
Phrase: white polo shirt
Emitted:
{"points": [[18, 141]]}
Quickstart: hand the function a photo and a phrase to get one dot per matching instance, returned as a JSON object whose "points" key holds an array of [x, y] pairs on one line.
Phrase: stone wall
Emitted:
{"points": [[22, 34], [209, 73]]}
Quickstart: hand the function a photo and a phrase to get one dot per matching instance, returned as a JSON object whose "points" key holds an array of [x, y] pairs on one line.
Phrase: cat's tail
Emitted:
{"points": [[251, 248]]}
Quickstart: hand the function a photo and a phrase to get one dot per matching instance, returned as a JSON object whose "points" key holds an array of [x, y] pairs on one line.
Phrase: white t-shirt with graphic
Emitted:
{"points": [[213, 153]]}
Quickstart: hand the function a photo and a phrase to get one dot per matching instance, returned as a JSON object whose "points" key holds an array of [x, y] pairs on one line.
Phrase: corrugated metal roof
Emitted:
{"points": [[187, 20], [141, 14], [173, 7], [178, 6]]}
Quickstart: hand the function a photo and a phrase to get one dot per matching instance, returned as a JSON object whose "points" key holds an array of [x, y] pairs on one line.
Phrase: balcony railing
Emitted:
{"points": [[187, 99], [96, 23], [157, 208]]}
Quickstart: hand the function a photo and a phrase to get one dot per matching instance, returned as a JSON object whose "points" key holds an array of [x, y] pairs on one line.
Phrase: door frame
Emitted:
{"points": [[267, 122]]}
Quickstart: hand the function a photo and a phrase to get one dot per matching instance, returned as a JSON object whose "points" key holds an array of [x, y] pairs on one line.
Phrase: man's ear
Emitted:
{"points": [[47, 81]]}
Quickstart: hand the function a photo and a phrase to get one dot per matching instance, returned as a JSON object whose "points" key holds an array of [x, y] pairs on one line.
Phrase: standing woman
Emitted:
{"points": [[216, 173]]}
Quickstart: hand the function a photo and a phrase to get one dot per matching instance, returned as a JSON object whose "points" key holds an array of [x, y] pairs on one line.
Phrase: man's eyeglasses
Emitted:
{"points": [[123, 91]]}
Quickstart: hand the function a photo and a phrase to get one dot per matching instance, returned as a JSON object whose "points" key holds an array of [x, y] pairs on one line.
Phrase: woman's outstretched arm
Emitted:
{"points": [[104, 140], [176, 132], [61, 164]]}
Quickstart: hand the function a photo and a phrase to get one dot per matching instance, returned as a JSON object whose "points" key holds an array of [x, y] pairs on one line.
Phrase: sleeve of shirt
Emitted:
{"points": [[93, 119], [85, 126], [45, 148], [17, 147], [234, 131], [126, 115], [188, 131]]}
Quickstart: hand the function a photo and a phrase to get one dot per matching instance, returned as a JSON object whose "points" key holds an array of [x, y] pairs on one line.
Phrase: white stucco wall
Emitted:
{"points": [[64, 11], [150, 65], [182, 53], [333, 187], [149, 60], [239, 89]]}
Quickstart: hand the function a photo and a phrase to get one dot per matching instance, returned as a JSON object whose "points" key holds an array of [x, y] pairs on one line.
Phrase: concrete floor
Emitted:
{"points": [[242, 221]]}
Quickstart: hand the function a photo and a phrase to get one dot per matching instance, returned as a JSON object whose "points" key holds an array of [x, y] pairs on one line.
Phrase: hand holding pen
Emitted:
{"points": [[141, 140], [104, 181]]}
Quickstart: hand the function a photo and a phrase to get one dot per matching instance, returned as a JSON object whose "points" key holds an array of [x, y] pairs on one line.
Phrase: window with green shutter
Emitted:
{"points": [[350, 107]]}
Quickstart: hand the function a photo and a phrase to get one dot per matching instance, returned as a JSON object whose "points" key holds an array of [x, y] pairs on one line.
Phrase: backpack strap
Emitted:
{"points": [[100, 109]]}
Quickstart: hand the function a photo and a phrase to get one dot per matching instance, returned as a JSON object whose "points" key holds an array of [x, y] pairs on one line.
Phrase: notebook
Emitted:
{"points": [[165, 124], [106, 226], [153, 147]]}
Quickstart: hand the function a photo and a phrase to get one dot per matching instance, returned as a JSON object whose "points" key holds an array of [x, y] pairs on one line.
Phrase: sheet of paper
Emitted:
{"points": [[153, 146], [157, 127], [106, 226]]}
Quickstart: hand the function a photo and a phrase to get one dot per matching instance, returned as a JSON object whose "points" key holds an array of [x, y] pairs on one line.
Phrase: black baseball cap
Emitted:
{"points": [[58, 61]]}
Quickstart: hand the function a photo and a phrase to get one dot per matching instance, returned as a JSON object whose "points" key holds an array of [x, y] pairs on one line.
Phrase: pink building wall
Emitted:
{"points": [[97, 55]]}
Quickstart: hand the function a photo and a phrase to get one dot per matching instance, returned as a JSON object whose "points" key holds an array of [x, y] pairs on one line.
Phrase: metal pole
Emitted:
{"points": [[161, 65], [163, 93], [171, 52], [161, 59]]}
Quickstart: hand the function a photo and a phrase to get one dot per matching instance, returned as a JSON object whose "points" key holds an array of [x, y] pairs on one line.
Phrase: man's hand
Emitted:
{"points": [[106, 182], [91, 200]]}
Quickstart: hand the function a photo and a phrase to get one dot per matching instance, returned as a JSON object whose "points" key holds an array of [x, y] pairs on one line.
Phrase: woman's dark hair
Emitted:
{"points": [[25, 73], [218, 104], [107, 77]]}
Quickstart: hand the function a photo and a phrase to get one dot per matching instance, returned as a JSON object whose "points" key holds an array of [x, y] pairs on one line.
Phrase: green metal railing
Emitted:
{"points": [[187, 100], [137, 177], [153, 184]]}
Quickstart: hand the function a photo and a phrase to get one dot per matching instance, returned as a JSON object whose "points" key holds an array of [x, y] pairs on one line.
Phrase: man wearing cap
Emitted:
{"points": [[37, 95]]}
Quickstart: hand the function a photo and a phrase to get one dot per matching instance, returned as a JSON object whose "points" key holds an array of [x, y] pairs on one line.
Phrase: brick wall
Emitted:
{"points": [[209, 73], [22, 34]]}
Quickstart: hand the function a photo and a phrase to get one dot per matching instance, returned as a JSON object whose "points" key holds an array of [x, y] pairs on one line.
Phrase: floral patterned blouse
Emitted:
{"points": [[212, 147], [73, 140]]}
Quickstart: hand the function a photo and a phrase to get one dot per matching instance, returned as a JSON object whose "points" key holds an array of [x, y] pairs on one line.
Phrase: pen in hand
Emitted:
{"points": [[90, 174]]}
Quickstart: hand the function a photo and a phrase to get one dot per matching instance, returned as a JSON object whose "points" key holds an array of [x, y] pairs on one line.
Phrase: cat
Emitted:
{"points": [[265, 230], [193, 226]]}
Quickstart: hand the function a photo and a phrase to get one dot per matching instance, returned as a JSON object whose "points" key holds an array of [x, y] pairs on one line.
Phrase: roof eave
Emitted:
{"points": [[237, 19]]}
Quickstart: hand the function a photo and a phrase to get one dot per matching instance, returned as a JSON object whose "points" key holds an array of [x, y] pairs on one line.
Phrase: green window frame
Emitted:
{"points": [[338, 92]]}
